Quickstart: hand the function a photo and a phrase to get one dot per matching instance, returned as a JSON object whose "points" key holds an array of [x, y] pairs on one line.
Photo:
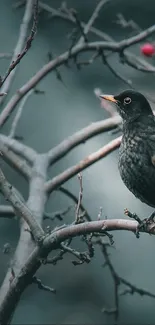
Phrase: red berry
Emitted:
{"points": [[147, 49]]}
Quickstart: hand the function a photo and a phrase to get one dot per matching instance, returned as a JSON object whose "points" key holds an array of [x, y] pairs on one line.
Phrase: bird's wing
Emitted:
{"points": [[151, 147]]}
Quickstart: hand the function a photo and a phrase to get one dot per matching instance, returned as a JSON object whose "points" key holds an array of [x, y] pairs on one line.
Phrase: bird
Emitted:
{"points": [[136, 161]]}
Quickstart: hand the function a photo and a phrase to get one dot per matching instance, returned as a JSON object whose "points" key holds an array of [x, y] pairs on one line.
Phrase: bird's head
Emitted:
{"points": [[130, 104]]}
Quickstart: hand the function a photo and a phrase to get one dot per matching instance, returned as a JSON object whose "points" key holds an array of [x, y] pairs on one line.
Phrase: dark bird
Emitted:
{"points": [[137, 150]]}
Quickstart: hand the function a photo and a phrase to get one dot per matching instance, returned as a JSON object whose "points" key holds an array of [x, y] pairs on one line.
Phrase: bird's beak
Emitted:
{"points": [[109, 97]]}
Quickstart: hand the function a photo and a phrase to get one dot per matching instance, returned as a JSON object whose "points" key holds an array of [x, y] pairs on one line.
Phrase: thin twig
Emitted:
{"points": [[83, 257], [74, 199], [19, 148], [18, 52], [79, 25], [41, 285], [92, 19], [118, 281], [59, 180], [119, 76], [80, 199], [118, 47], [81, 136], [15, 161], [18, 114]]}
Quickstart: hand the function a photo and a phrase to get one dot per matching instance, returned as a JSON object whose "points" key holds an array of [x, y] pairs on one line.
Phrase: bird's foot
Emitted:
{"points": [[151, 218], [135, 217], [142, 224]]}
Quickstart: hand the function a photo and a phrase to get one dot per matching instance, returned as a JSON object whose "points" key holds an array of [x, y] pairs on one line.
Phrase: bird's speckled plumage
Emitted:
{"points": [[137, 151]]}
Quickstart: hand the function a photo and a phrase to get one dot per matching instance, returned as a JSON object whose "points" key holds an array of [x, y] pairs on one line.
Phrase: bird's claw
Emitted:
{"points": [[142, 224], [135, 217], [151, 218]]}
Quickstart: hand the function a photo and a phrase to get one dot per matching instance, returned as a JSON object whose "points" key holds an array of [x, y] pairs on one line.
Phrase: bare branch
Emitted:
{"points": [[19, 113], [91, 159], [118, 47], [10, 291], [136, 63], [19, 148], [66, 15], [41, 285], [134, 289], [79, 25], [81, 136], [128, 82], [34, 253], [92, 19], [74, 199], [20, 208], [77, 214], [24, 276], [15, 161], [118, 281], [98, 226], [19, 53], [127, 23], [81, 256]]}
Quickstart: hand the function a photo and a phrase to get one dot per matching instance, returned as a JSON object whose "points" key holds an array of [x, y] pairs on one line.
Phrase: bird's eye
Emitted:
{"points": [[127, 100]]}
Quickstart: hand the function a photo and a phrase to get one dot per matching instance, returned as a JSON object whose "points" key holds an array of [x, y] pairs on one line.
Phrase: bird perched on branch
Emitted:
{"points": [[137, 150]]}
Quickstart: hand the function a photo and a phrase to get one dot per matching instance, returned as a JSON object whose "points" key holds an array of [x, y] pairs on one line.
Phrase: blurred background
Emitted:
{"points": [[48, 118]]}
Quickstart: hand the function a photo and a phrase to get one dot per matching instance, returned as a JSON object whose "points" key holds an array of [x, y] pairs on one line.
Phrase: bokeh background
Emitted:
{"points": [[47, 119]]}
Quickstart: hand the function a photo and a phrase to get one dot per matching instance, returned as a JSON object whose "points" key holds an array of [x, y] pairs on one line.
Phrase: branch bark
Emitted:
{"points": [[19, 148], [26, 259], [20, 208], [27, 270], [81, 136], [117, 47], [59, 180], [18, 51]]}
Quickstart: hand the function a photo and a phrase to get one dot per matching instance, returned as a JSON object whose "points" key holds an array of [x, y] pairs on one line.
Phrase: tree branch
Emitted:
{"points": [[53, 184], [81, 136], [24, 276], [117, 47], [10, 291], [75, 200], [19, 53], [19, 148], [92, 19], [18, 114], [41, 285], [20, 208], [15, 161]]}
